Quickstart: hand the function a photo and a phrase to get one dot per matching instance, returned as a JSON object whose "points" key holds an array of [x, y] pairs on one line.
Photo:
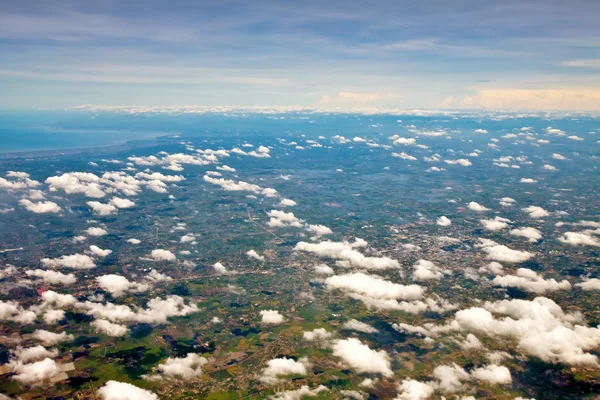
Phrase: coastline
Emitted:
{"points": [[128, 145]]}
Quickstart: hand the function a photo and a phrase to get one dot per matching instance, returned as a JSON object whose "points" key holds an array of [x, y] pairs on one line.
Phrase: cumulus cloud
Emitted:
{"points": [[219, 268], [579, 239], [540, 327], [323, 269], [121, 203], [181, 368], [443, 221], [255, 255], [589, 284], [102, 209], [283, 219], [347, 254], [496, 224], [77, 182], [162, 255], [41, 207], [462, 161], [494, 374], [271, 317], [356, 325], [374, 286], [114, 390], [73, 261], [231, 185], [157, 310], [96, 231], [362, 358], [530, 233], [536, 212], [530, 281], [53, 277], [108, 328], [35, 353], [411, 389], [319, 230], [299, 394], [283, 366], [528, 180], [477, 207], [12, 311], [426, 270], [50, 338], [503, 253], [317, 334], [287, 203], [118, 285], [99, 252], [35, 373]]}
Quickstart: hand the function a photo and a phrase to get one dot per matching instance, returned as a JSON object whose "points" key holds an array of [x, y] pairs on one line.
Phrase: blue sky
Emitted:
{"points": [[332, 54]]}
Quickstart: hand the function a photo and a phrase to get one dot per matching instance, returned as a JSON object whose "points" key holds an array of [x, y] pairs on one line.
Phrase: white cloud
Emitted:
{"points": [[579, 239], [346, 253], [35, 373], [528, 180], [317, 334], [121, 203], [426, 270], [493, 374], [299, 394], [41, 207], [462, 161], [102, 209], [323, 269], [108, 328], [530, 233], [287, 203], [536, 212], [374, 286], [477, 207], [283, 366], [184, 368], [496, 224], [356, 325], [443, 221], [319, 230], [99, 252], [162, 255], [157, 310], [118, 285], [53, 277], [480, 131], [50, 338], [362, 358], [114, 390], [404, 156], [530, 281], [411, 389], [540, 327], [134, 241], [77, 182], [95, 231], [589, 284], [271, 317], [219, 268], [35, 353], [255, 255], [74, 261], [503, 253], [557, 156]]}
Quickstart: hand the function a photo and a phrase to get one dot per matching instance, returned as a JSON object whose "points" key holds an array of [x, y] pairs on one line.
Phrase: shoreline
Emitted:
{"points": [[128, 145]]}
